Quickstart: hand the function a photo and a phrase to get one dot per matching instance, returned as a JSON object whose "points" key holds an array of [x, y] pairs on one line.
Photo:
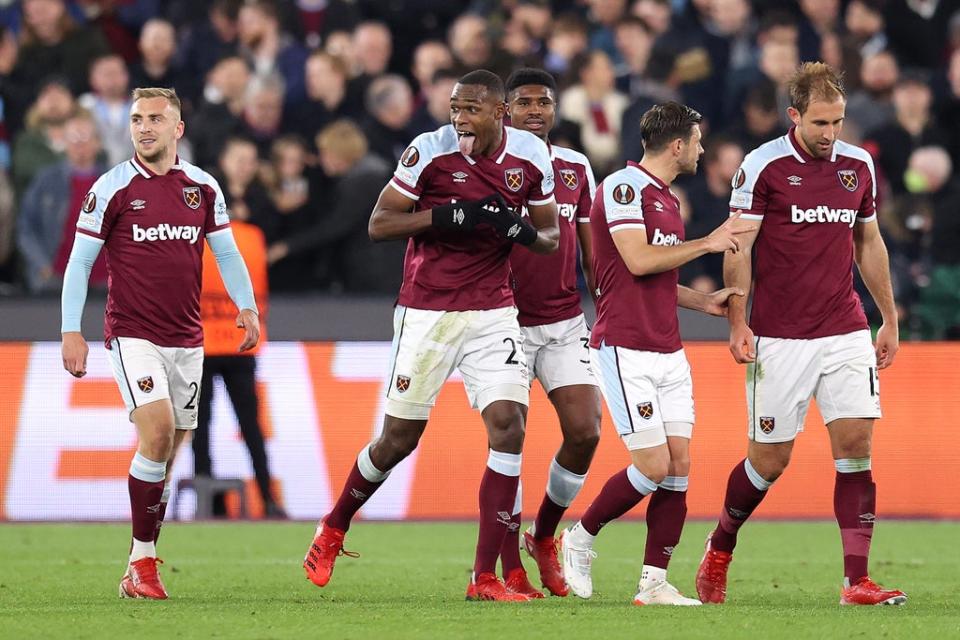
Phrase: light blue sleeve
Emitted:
{"points": [[74, 294], [233, 270]]}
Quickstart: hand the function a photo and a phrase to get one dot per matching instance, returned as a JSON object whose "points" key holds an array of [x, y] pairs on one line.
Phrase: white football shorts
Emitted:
{"points": [[146, 373], [649, 394], [558, 354], [839, 371], [485, 345]]}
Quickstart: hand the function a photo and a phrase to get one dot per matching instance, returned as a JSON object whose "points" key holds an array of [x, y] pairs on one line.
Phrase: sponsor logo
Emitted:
{"points": [[658, 206], [767, 424], [191, 195], [741, 199], [513, 178], [668, 551], [645, 410], [406, 176], [458, 216], [513, 231], [410, 157], [403, 383], [359, 495], [138, 205], [460, 176], [145, 384], [624, 194], [868, 518], [736, 514], [567, 211], [166, 232], [794, 181], [154, 508], [665, 240], [739, 178], [823, 213], [89, 202], [513, 526], [504, 518], [848, 179], [569, 177]]}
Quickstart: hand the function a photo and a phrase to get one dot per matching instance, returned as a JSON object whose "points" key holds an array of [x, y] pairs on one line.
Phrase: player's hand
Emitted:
{"points": [[457, 216], [719, 301], [888, 343], [250, 323], [724, 237], [74, 351], [508, 224], [741, 344]]}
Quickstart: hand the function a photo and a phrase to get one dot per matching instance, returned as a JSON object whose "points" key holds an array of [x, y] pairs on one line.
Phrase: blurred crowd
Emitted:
{"points": [[301, 108]]}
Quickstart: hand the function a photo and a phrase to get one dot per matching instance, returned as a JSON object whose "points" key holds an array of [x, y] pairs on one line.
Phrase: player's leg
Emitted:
{"points": [[178, 437], [849, 399]]}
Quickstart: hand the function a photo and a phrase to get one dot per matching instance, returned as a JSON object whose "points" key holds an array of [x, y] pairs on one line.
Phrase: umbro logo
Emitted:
{"points": [[504, 518], [138, 205], [658, 205], [795, 181], [154, 508], [458, 216], [668, 551], [868, 518], [513, 231], [460, 176], [359, 495]]}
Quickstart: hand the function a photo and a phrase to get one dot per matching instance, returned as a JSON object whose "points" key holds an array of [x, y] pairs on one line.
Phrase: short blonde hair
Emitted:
{"points": [[343, 139], [815, 81], [157, 92]]}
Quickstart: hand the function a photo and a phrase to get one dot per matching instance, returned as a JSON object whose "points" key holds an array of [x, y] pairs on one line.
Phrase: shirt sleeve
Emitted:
{"points": [[868, 206], [541, 189], [623, 205], [97, 216], [409, 176], [586, 195], [217, 216], [749, 195]]}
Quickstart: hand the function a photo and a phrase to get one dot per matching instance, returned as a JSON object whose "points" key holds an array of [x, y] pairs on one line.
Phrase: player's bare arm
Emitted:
{"points": [[393, 217], [870, 254], [544, 220], [715, 304], [642, 258], [585, 239], [737, 274]]}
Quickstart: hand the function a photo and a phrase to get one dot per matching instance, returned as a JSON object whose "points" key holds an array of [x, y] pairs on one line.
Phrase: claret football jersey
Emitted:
{"points": [[457, 271], [807, 209], [153, 228]]}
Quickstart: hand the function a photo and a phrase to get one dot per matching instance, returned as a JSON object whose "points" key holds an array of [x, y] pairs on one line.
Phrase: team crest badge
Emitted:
{"points": [[766, 424], [569, 177], [145, 384], [403, 383], [513, 178], [848, 178], [191, 195], [624, 194], [89, 202], [645, 409], [410, 157]]}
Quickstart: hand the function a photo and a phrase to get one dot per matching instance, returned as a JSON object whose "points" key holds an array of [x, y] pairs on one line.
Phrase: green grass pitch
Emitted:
{"points": [[245, 581]]}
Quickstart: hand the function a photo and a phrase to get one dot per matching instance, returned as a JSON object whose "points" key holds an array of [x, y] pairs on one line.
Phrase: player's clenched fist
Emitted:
{"points": [[74, 351], [458, 216], [508, 224]]}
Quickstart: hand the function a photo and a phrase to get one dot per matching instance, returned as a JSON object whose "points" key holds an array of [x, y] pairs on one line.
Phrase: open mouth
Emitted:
{"points": [[466, 140]]}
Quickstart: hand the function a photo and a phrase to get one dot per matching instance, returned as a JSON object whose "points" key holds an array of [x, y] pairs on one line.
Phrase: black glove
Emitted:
{"points": [[509, 224], [457, 216]]}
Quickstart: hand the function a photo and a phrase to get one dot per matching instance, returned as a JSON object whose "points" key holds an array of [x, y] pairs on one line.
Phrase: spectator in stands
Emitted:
{"points": [[246, 196], [597, 107], [469, 40], [871, 106], [603, 16], [435, 112], [263, 111], [51, 205], [41, 142], [428, 58], [238, 371], [270, 50], [110, 103], [8, 59], [158, 43], [390, 107], [820, 17], [948, 107], [865, 27], [567, 39], [656, 13], [634, 41], [761, 120], [916, 30], [319, 18], [912, 127], [778, 62], [220, 112], [206, 43], [326, 81], [8, 215]]}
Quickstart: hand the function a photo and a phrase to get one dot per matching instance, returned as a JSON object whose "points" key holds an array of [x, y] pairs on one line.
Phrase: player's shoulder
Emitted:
{"points": [[570, 156], [431, 144], [523, 144], [114, 179], [196, 174], [847, 150], [769, 152], [628, 175]]}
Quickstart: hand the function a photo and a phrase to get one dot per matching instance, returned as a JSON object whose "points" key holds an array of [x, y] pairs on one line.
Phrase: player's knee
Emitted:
{"points": [[157, 445], [680, 465], [397, 445], [655, 469], [583, 435], [505, 426]]}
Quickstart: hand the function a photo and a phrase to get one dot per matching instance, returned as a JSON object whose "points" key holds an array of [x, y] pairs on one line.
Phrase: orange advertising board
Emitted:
{"points": [[67, 442]]}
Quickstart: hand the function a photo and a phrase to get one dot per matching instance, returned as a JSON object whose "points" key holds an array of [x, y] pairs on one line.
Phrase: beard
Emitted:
{"points": [[814, 147], [153, 156]]}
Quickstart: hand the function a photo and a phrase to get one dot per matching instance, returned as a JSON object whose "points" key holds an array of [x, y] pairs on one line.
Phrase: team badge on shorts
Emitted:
{"points": [[848, 179], [403, 383], [569, 177], [513, 178], [191, 195], [145, 384], [645, 409], [766, 424]]}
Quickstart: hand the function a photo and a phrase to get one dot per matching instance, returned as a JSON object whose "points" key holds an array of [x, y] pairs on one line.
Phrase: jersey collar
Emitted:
{"points": [[802, 154], [656, 181], [145, 171]]}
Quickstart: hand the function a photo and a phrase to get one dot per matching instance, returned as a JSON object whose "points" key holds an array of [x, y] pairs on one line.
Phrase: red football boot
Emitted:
{"points": [[517, 582], [866, 591], [487, 586], [323, 552], [712, 575], [143, 581], [544, 551]]}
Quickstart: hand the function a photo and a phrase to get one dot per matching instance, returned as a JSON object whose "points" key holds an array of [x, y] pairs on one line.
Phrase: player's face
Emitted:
{"points": [[690, 151], [819, 127], [533, 108], [477, 117], [155, 127]]}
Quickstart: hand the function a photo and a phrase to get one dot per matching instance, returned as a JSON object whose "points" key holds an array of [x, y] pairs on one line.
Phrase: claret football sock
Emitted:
{"points": [[162, 512], [622, 492], [363, 481], [563, 486], [498, 492], [510, 549], [666, 514], [745, 490], [855, 505], [145, 484]]}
